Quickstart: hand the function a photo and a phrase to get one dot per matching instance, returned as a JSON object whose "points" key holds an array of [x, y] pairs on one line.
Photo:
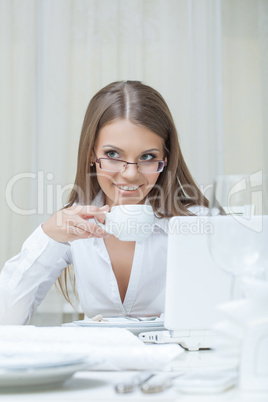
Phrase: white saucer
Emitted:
{"points": [[36, 377]]}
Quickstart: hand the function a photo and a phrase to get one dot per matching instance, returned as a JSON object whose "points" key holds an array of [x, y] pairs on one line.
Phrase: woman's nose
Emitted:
{"points": [[130, 171]]}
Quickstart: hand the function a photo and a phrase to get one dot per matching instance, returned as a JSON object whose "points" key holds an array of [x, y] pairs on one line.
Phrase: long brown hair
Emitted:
{"points": [[175, 190]]}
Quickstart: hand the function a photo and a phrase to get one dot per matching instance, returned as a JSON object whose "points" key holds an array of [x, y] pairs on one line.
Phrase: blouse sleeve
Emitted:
{"points": [[27, 277]]}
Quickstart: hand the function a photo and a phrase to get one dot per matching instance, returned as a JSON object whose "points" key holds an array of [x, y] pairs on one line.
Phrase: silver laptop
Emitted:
{"points": [[195, 286]]}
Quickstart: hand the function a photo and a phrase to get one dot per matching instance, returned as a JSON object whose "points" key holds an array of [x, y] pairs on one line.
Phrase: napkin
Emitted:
{"points": [[114, 348]]}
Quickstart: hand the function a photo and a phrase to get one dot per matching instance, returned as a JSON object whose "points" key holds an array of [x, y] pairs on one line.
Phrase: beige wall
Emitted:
{"points": [[244, 34]]}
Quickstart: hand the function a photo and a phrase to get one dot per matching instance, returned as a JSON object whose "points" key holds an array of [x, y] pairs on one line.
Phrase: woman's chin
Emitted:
{"points": [[127, 201]]}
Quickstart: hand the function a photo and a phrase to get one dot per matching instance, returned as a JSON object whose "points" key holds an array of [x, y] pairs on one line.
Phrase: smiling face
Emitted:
{"points": [[124, 140]]}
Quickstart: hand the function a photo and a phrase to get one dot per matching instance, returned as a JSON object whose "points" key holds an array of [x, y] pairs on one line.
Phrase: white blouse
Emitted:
{"points": [[27, 277]]}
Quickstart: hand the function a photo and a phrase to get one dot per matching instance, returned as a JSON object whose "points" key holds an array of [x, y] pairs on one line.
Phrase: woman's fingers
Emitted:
{"points": [[84, 228], [80, 233], [87, 211], [72, 223]]}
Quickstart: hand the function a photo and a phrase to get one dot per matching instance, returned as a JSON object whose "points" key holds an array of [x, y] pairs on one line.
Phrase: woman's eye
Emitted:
{"points": [[112, 154], [147, 157]]}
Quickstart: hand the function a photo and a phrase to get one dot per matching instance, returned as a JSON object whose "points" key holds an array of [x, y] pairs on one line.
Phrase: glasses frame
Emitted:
{"points": [[161, 163]]}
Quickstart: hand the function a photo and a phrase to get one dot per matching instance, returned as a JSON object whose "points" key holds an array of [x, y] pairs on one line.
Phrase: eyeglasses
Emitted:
{"points": [[117, 165]]}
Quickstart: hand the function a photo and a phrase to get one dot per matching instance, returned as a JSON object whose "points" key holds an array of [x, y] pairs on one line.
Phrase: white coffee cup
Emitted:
{"points": [[129, 222]]}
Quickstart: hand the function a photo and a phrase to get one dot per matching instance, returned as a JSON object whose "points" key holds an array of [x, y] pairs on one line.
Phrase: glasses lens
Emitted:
{"points": [[150, 167], [112, 165]]}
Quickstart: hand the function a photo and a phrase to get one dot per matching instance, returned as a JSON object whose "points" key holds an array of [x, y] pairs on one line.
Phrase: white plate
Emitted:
{"points": [[36, 378], [119, 322], [136, 327]]}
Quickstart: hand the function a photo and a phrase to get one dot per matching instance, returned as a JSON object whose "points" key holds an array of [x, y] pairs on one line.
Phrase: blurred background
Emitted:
{"points": [[208, 58]]}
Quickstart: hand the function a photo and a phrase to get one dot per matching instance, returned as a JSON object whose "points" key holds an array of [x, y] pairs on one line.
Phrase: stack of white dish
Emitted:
{"points": [[24, 370]]}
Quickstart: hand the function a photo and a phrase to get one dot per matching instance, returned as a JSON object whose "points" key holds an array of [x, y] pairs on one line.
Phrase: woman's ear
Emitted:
{"points": [[92, 160]]}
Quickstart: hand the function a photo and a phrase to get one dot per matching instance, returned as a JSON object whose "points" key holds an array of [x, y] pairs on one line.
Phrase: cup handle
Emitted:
{"points": [[101, 225]]}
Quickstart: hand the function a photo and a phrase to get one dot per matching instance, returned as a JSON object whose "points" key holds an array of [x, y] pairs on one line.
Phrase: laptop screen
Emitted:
{"points": [[195, 284]]}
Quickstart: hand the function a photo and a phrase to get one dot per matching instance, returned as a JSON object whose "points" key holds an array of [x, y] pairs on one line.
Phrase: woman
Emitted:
{"points": [[128, 154]]}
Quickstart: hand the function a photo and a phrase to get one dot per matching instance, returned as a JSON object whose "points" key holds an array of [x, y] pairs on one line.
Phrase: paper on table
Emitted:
{"points": [[116, 347]]}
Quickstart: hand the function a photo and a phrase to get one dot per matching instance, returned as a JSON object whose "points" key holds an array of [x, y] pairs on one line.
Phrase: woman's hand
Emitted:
{"points": [[72, 223]]}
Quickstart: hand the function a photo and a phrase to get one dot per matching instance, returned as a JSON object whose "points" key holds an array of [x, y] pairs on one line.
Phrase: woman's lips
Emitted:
{"points": [[128, 187]]}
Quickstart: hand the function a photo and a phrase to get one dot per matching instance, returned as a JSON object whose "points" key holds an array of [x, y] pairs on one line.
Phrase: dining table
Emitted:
{"points": [[99, 382]]}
